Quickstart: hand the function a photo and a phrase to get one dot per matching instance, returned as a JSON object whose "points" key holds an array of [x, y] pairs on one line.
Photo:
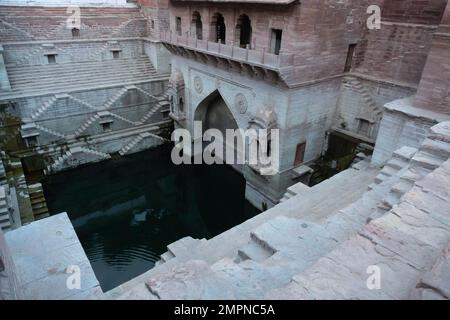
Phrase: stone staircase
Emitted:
{"points": [[294, 190], [115, 97], [179, 248], [38, 202], [86, 124], [49, 131], [234, 245], [365, 95], [311, 254], [406, 245], [44, 107], [73, 152], [68, 77], [130, 145], [161, 104], [5, 217]]}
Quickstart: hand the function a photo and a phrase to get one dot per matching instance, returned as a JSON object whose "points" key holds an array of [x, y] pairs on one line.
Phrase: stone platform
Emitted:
{"points": [[44, 252]]}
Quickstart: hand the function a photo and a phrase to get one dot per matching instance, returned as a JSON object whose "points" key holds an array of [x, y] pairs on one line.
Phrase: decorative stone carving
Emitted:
{"points": [[241, 104], [198, 84], [265, 118]]}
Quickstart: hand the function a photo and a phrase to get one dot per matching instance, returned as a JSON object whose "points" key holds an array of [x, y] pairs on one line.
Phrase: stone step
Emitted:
{"points": [[440, 149], [71, 81], [426, 160], [61, 67], [254, 251], [396, 164], [26, 92], [15, 77], [389, 171], [4, 211], [166, 256], [79, 76], [5, 225], [405, 153]]}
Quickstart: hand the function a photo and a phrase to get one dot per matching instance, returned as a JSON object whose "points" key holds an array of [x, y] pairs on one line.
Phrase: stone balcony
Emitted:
{"points": [[214, 52]]}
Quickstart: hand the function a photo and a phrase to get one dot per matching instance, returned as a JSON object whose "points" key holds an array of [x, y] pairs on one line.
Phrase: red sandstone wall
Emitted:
{"points": [[154, 3], [398, 51], [42, 23], [414, 11], [316, 32], [434, 89]]}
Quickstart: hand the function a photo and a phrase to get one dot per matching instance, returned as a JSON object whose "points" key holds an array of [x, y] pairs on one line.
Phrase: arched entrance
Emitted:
{"points": [[197, 25], [243, 35], [215, 114], [218, 30]]}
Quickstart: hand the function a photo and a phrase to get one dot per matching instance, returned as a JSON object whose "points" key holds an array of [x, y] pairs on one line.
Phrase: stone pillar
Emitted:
{"points": [[4, 81]]}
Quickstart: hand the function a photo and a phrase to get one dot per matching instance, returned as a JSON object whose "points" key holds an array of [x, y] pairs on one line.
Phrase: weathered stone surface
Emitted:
{"points": [[343, 275], [435, 284], [46, 253]]}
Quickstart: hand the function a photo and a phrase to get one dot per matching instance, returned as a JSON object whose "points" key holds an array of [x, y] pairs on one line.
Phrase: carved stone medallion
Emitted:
{"points": [[198, 84], [241, 103]]}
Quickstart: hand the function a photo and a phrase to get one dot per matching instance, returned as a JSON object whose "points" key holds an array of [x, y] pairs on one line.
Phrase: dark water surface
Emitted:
{"points": [[126, 211]]}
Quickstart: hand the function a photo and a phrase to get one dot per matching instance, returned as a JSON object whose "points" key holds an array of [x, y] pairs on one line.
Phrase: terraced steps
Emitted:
{"points": [[64, 78], [225, 247], [5, 218]]}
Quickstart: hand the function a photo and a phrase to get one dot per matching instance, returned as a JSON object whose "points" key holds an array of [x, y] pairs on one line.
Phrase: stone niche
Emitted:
{"points": [[177, 96]]}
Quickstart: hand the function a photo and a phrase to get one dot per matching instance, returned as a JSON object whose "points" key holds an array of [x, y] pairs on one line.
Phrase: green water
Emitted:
{"points": [[126, 211]]}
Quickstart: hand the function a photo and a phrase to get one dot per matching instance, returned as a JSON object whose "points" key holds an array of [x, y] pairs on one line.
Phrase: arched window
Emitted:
{"points": [[218, 28], [75, 32], [243, 35], [181, 105], [197, 25]]}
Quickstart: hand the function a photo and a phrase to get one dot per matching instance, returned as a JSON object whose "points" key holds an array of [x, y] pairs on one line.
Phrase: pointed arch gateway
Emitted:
{"points": [[214, 113]]}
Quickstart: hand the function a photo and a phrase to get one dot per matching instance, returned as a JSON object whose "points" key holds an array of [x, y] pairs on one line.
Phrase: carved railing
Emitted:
{"points": [[246, 55]]}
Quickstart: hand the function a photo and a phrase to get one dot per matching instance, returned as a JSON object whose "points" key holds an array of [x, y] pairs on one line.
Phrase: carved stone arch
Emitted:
{"points": [[215, 113]]}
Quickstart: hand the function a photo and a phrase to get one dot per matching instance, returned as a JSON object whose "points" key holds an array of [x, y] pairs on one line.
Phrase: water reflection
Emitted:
{"points": [[126, 211]]}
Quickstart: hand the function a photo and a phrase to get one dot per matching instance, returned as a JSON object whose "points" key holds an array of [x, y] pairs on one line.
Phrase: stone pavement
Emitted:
{"points": [[43, 253]]}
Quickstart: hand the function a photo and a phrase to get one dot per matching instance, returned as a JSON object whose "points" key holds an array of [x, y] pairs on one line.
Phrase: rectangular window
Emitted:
{"points": [[178, 25], [364, 127], [116, 54], [106, 126], [350, 54], [300, 154], [51, 58], [75, 33], [32, 141], [275, 41], [153, 24]]}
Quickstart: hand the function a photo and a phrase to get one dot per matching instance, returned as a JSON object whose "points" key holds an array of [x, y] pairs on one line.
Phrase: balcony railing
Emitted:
{"points": [[255, 57]]}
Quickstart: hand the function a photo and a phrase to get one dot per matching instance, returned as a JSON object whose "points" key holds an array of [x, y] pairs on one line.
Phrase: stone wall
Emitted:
{"points": [[9, 284], [316, 33], [363, 99], [411, 11], [395, 53], [48, 23], [407, 121], [89, 103], [33, 53]]}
